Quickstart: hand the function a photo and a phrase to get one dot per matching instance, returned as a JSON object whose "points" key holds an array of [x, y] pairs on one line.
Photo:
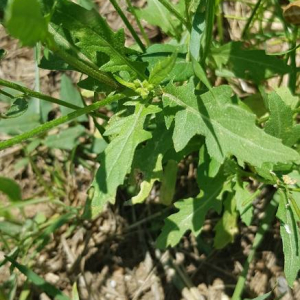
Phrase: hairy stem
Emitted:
{"points": [[80, 63], [49, 125], [35, 94]]}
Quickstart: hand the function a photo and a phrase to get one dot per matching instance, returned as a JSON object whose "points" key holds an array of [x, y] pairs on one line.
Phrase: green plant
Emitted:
{"points": [[166, 108]]}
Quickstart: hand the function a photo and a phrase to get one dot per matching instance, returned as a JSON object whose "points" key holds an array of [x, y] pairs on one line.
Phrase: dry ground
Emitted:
{"points": [[114, 257]]}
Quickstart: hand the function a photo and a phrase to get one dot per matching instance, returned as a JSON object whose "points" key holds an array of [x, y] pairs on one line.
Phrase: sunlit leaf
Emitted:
{"points": [[229, 130]]}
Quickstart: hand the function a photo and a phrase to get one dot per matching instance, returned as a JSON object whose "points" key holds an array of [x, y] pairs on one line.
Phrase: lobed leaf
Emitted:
{"points": [[91, 34], [192, 211], [117, 157], [228, 129], [148, 161]]}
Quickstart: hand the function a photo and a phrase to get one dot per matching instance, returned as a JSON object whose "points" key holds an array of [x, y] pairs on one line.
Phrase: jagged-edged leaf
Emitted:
{"points": [[228, 129], [117, 157], [91, 34], [248, 64], [24, 21], [156, 14], [182, 69], [17, 109], [290, 235], [148, 161], [192, 211], [227, 227], [281, 123], [244, 202], [26, 121], [162, 69]]}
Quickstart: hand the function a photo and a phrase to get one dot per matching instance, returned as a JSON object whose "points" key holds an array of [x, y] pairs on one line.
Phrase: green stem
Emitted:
{"points": [[132, 10], [80, 63], [128, 25], [86, 68], [293, 64], [173, 11], [270, 214], [35, 94], [49, 125], [6, 94], [249, 21]]}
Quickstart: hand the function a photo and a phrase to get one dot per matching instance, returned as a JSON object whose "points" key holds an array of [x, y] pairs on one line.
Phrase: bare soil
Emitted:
{"points": [[114, 256]]}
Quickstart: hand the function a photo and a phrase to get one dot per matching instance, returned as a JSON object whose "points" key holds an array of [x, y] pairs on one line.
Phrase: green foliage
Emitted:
{"points": [[117, 157], [66, 139], [17, 109], [281, 123], [90, 33], [262, 297], [192, 211], [248, 64], [46, 287], [290, 235], [24, 20], [10, 188], [229, 130], [148, 161], [158, 15], [227, 228], [162, 69], [165, 106], [70, 94]]}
